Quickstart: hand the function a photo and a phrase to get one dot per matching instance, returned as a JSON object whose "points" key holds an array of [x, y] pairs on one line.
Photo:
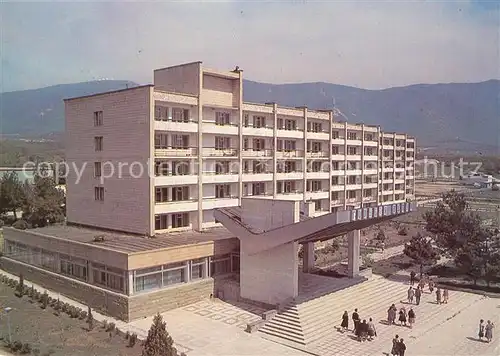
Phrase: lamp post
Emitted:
{"points": [[7, 311]]}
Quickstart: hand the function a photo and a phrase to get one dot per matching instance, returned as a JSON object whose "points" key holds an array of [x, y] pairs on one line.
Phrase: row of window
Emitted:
{"points": [[108, 277]]}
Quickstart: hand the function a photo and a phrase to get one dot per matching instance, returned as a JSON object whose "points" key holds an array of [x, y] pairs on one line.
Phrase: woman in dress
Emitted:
{"points": [[345, 321], [402, 316], [391, 314], [481, 329], [488, 330], [411, 317]]}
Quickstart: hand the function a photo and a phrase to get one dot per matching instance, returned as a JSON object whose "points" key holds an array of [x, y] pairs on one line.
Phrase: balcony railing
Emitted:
{"points": [[176, 152], [219, 152], [183, 121], [289, 153], [257, 153], [317, 154]]}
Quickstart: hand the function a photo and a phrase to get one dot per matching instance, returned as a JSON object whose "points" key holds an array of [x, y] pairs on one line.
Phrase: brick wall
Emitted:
{"points": [[103, 301]]}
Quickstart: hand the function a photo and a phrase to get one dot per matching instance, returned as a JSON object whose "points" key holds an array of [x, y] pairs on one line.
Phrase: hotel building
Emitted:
{"points": [[150, 165]]}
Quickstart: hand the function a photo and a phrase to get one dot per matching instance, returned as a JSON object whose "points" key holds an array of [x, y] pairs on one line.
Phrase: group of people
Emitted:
{"points": [[442, 296], [398, 346], [405, 318], [486, 330], [362, 329]]}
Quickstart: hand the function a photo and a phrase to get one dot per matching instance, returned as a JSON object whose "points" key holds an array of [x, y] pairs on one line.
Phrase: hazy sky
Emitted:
{"points": [[369, 44]]}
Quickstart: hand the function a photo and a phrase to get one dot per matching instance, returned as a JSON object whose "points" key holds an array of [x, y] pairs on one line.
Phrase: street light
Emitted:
{"points": [[7, 311]]}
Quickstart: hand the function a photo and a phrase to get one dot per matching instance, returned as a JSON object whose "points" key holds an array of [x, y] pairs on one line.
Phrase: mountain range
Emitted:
{"points": [[455, 116]]}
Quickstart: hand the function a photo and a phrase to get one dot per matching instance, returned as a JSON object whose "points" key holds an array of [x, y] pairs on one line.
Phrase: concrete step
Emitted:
{"points": [[285, 324], [291, 319], [285, 330], [283, 333]]}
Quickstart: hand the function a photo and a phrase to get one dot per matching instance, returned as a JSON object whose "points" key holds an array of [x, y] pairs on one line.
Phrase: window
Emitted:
{"points": [[315, 166], [161, 222], [335, 195], [286, 145], [351, 194], [259, 121], [180, 141], [258, 144], [351, 180], [220, 265], [222, 167], [352, 150], [352, 136], [335, 166], [369, 151], [335, 134], [314, 146], [368, 137], [313, 185], [286, 187], [258, 167], [313, 126], [109, 277], [290, 125], [198, 269], [161, 113], [48, 260], [222, 118], [245, 120], [180, 193], [98, 143], [280, 124], [180, 115], [161, 168], [258, 188], [367, 193], [174, 273], [180, 220], [180, 168], [147, 282], [98, 120], [290, 166], [352, 165], [222, 143], [72, 268], [161, 194], [335, 180], [161, 141], [317, 205], [222, 190], [97, 169], [99, 193]]}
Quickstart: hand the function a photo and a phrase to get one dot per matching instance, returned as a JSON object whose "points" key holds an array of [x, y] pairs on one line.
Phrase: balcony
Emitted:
{"points": [[355, 186], [323, 135], [337, 202], [258, 131], [410, 158], [354, 157], [399, 148], [370, 143], [215, 203], [354, 142], [354, 172], [219, 152], [370, 157], [338, 172], [212, 177], [371, 185], [369, 199], [293, 195], [388, 147], [176, 206], [338, 157], [176, 152], [213, 128], [169, 125], [250, 153], [289, 154], [337, 187], [370, 172], [319, 154], [399, 169], [352, 200], [290, 175], [399, 191], [338, 141], [290, 134], [387, 192], [176, 179], [319, 194], [318, 175], [257, 176]]}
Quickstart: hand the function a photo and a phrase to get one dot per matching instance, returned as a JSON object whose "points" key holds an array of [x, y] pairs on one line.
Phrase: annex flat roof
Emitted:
{"points": [[127, 243]]}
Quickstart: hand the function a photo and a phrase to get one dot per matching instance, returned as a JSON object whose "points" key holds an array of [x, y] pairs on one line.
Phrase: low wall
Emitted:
{"points": [[147, 304], [105, 302]]}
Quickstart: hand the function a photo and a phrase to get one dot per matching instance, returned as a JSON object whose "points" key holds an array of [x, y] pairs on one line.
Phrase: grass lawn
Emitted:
{"points": [[392, 265], [48, 334]]}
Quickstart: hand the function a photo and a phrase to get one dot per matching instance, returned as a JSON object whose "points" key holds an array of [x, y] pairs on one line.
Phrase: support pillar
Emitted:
{"points": [[353, 239], [308, 258]]}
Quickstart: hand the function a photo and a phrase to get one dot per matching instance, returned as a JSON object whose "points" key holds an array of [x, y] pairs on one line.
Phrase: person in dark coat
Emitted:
{"points": [[402, 316], [402, 347], [356, 320], [411, 317], [363, 331], [412, 277], [345, 322], [395, 346], [418, 295]]}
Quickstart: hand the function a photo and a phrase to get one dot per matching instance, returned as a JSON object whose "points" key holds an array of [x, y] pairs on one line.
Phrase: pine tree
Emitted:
{"points": [[421, 250], [20, 286], [158, 342]]}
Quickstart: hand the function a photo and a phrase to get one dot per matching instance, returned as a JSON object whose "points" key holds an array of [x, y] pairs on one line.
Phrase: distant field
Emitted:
{"points": [[14, 153]]}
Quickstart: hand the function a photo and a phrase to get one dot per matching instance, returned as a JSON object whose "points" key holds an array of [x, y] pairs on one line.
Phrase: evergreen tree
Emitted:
{"points": [[420, 250], [11, 194], [20, 286], [158, 342]]}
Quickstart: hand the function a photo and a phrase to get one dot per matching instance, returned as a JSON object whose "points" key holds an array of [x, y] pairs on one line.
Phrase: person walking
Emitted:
{"points": [[363, 331], [481, 329], [411, 293], [418, 295], [411, 317], [345, 322], [402, 347], [421, 284], [445, 295], [438, 295], [371, 330], [395, 346], [412, 277], [355, 320], [391, 314], [488, 331], [431, 285], [402, 316]]}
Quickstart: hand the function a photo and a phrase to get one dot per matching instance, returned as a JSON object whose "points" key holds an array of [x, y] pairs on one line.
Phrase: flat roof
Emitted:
{"points": [[108, 92], [127, 243]]}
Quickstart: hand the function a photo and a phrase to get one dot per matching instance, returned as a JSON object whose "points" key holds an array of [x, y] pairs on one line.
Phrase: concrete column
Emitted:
{"points": [[308, 259], [130, 284], [353, 238]]}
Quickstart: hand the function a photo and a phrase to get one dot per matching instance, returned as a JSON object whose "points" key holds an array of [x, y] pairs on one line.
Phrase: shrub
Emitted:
{"points": [[25, 349], [110, 327], [20, 224], [132, 340], [495, 188], [44, 299], [2, 223], [20, 287], [83, 314], [64, 307], [403, 231], [368, 261], [127, 335], [90, 318]]}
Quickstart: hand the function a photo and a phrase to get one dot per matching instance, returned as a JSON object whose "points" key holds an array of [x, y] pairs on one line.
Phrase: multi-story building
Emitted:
{"points": [[162, 157]]}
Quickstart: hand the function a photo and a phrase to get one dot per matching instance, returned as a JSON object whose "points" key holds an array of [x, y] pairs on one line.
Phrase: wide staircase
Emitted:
{"points": [[312, 325]]}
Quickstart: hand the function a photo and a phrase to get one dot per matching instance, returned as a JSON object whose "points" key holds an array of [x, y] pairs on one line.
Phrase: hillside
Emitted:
{"points": [[451, 116]]}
